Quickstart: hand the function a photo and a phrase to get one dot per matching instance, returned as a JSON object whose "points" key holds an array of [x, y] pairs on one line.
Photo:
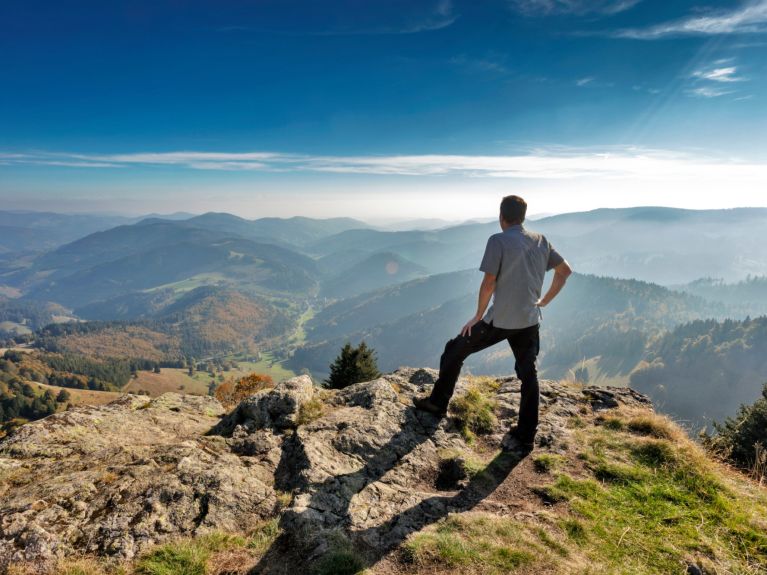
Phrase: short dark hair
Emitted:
{"points": [[513, 209]]}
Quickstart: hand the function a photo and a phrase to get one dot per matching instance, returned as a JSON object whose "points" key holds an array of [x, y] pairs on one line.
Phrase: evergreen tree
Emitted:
{"points": [[743, 439], [353, 365]]}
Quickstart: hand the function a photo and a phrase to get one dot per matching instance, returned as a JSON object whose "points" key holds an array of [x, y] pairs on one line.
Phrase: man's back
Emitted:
{"points": [[519, 258]]}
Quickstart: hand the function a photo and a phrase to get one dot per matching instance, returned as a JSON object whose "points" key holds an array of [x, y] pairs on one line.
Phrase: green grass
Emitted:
{"points": [[187, 556], [341, 559], [477, 543], [192, 556], [651, 504], [268, 366], [474, 412], [190, 283], [547, 462]]}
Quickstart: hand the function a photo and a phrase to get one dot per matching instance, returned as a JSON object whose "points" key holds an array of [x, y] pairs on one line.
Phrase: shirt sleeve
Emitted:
{"points": [[491, 261], [554, 258]]}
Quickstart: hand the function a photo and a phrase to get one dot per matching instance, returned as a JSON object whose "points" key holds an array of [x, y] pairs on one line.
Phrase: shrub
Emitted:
{"points": [[742, 439], [231, 393], [353, 365]]}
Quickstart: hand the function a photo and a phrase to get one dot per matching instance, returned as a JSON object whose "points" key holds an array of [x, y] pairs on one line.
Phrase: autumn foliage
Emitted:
{"points": [[231, 392]]}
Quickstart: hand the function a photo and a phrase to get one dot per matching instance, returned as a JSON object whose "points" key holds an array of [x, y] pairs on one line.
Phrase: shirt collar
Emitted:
{"points": [[514, 228]]}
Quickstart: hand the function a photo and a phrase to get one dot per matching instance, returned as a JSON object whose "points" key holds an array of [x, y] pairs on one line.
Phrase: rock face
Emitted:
{"points": [[116, 479]]}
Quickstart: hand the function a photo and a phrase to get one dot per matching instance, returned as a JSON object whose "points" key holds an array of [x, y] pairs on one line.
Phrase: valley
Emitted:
{"points": [[230, 296]]}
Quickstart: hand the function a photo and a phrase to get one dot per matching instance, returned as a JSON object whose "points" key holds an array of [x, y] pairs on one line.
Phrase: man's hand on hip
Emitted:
{"points": [[466, 331]]}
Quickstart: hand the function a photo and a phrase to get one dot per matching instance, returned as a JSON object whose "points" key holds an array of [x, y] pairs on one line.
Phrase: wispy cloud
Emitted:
{"points": [[552, 7], [715, 80], [553, 164], [727, 74], [748, 18], [440, 15], [708, 92], [484, 65], [584, 81]]}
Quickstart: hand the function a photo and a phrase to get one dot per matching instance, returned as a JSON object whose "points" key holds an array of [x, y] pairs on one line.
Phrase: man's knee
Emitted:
{"points": [[527, 371]]}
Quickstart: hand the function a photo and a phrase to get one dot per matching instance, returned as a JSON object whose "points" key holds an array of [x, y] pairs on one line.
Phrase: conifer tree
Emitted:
{"points": [[353, 365]]}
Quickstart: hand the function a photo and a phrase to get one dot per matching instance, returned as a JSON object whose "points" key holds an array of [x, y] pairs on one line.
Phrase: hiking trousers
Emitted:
{"points": [[525, 344]]}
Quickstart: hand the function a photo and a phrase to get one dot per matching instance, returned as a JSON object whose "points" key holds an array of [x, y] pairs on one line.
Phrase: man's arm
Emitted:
{"points": [[561, 272], [485, 293]]}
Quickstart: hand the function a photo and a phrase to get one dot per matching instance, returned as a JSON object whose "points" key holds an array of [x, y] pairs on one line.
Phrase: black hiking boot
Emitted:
{"points": [[425, 404]]}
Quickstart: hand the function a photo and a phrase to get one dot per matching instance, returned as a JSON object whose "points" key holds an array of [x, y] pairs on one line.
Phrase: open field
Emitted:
{"points": [[169, 379], [178, 380], [79, 396]]}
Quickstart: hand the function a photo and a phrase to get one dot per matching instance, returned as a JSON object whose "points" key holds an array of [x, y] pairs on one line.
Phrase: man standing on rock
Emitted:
{"points": [[515, 263]]}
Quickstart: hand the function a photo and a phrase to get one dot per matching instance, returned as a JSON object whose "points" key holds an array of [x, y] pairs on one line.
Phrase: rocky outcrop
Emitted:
{"points": [[114, 480]]}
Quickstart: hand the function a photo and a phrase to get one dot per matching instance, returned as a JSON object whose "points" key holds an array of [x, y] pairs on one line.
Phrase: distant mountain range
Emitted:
{"points": [[305, 286]]}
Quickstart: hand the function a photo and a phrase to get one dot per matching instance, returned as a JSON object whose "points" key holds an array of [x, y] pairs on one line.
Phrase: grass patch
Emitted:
{"points": [[310, 410], [649, 504], [262, 537], [341, 559], [575, 530], [547, 462], [474, 413], [186, 556], [476, 543], [654, 426]]}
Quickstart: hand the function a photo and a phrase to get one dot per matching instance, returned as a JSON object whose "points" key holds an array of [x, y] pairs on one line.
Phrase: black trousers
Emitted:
{"points": [[525, 344]]}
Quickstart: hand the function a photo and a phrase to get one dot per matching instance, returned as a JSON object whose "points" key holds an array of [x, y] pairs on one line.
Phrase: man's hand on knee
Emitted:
{"points": [[466, 331]]}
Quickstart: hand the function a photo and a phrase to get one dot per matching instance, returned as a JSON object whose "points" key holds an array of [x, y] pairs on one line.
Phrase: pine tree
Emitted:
{"points": [[353, 365]]}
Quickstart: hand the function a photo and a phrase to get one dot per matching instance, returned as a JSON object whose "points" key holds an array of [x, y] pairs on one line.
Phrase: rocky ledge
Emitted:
{"points": [[358, 465]]}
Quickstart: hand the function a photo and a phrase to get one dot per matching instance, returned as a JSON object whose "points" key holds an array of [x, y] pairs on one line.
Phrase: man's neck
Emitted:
{"points": [[514, 226]]}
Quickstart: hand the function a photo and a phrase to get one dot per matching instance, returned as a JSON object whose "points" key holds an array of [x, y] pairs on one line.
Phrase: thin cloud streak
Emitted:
{"points": [[614, 163], [727, 74], [749, 18], [580, 7]]}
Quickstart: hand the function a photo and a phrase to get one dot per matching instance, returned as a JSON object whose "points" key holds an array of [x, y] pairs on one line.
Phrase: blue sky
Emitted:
{"points": [[381, 108]]}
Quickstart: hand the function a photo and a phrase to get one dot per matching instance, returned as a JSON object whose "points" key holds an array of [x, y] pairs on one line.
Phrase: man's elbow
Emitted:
{"points": [[563, 270]]}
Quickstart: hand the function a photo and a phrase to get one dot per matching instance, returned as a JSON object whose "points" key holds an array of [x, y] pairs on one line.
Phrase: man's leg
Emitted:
{"points": [[482, 336], [526, 344]]}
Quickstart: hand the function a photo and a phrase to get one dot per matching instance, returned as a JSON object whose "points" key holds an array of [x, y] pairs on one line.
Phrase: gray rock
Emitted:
{"points": [[122, 477]]}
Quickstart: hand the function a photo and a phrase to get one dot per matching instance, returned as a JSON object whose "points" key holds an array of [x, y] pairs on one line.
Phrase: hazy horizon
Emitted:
{"points": [[383, 109]]}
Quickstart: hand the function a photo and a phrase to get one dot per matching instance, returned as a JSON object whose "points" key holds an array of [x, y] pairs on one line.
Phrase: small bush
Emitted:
{"points": [[230, 393], [743, 439], [310, 411]]}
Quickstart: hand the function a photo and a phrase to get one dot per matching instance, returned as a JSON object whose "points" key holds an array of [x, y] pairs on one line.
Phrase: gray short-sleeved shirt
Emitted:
{"points": [[519, 259]]}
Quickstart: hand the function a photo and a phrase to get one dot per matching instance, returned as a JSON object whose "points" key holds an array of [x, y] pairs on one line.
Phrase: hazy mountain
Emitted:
{"points": [[388, 304], [704, 370], [660, 245], [748, 297], [293, 232], [23, 231], [605, 320], [377, 270], [204, 321]]}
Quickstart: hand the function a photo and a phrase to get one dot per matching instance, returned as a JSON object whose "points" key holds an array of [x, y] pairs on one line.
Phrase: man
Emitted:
{"points": [[515, 263]]}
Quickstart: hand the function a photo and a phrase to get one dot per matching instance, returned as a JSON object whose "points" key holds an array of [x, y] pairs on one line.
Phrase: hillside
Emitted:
{"points": [[704, 370], [204, 321], [376, 271], [301, 480], [608, 320]]}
